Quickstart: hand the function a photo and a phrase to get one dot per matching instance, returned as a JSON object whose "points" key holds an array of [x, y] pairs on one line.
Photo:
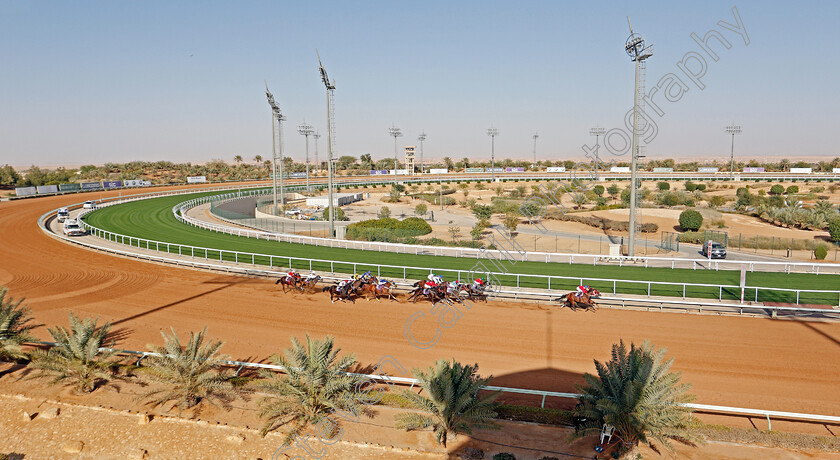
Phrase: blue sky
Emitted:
{"points": [[90, 82]]}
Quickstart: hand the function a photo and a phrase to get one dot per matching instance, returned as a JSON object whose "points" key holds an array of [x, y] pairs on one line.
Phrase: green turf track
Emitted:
{"points": [[152, 219]]}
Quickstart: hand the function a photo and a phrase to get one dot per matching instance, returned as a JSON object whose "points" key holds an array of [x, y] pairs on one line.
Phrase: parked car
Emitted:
{"points": [[63, 214], [72, 228], [90, 204], [293, 212], [713, 250]]}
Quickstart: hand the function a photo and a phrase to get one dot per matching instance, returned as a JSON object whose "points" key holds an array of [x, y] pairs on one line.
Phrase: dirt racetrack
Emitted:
{"points": [[746, 362]]}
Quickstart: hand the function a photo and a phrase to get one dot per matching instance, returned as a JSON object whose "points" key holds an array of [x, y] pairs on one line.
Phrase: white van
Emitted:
{"points": [[63, 214], [89, 204], [72, 228]]}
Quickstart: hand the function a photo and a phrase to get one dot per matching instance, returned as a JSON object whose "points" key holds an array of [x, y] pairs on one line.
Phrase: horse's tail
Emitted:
{"points": [[278, 281], [326, 288]]}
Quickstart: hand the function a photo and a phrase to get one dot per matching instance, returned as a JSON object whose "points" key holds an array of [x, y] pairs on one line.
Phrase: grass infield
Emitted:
{"points": [[152, 219]]}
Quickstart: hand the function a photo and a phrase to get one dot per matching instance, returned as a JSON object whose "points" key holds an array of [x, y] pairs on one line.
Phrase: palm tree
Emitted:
{"points": [[15, 324], [466, 162], [316, 386], [237, 159], [453, 405], [77, 359], [190, 374], [635, 394], [258, 159]]}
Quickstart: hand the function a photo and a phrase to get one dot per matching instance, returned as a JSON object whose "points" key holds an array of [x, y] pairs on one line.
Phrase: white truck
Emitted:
{"points": [[72, 228], [62, 214]]}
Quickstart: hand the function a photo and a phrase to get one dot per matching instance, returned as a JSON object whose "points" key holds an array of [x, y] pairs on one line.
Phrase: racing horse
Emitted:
{"points": [[293, 284], [376, 288], [434, 294], [308, 285], [575, 301], [343, 294]]}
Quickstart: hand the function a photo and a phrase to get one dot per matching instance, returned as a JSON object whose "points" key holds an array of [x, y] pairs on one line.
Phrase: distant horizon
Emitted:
{"points": [[765, 159]]}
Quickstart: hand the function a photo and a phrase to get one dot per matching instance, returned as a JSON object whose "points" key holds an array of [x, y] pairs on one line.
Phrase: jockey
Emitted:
{"points": [[291, 276], [428, 286], [382, 281], [355, 276], [580, 290], [311, 276], [452, 287]]}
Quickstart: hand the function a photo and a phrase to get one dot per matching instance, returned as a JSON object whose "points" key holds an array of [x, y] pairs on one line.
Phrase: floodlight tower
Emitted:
{"points": [[421, 138], [536, 135], [276, 116], [306, 130], [493, 132], [597, 132], [639, 53], [330, 139], [394, 131], [732, 129]]}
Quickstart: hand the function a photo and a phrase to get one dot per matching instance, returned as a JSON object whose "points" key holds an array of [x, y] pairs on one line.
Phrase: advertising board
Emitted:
{"points": [[48, 189], [753, 170], [620, 169], [474, 170], [376, 172], [196, 179], [801, 170], [708, 170], [111, 184], [514, 169], [69, 187], [556, 169], [663, 170], [25, 191], [439, 171], [91, 185]]}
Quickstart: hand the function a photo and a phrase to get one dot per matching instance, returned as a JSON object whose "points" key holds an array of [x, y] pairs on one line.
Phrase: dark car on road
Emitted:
{"points": [[713, 250]]}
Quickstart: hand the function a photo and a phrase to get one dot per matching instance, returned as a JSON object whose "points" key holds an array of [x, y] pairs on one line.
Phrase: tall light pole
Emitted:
{"points": [[493, 132], [421, 138], [732, 129], [330, 139], [536, 135], [306, 130], [638, 52], [394, 131], [276, 117], [597, 132]]}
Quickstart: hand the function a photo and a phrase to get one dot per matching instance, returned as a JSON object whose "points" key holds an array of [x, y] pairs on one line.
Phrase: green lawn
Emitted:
{"points": [[152, 219]]}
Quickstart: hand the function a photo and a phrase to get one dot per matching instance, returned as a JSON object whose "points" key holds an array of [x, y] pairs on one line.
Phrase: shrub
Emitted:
{"points": [[820, 252], [777, 190], [834, 230], [420, 209], [817, 189], [717, 201], [742, 191], [701, 187], [690, 186], [599, 190], [663, 186], [504, 456], [792, 189], [384, 212], [691, 220]]}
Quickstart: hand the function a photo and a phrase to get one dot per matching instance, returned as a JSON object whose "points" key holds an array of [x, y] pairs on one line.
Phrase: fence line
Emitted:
{"points": [[726, 410], [321, 264], [622, 302]]}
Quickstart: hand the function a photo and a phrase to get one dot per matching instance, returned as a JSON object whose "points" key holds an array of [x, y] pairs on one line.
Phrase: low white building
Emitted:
{"points": [[339, 199]]}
